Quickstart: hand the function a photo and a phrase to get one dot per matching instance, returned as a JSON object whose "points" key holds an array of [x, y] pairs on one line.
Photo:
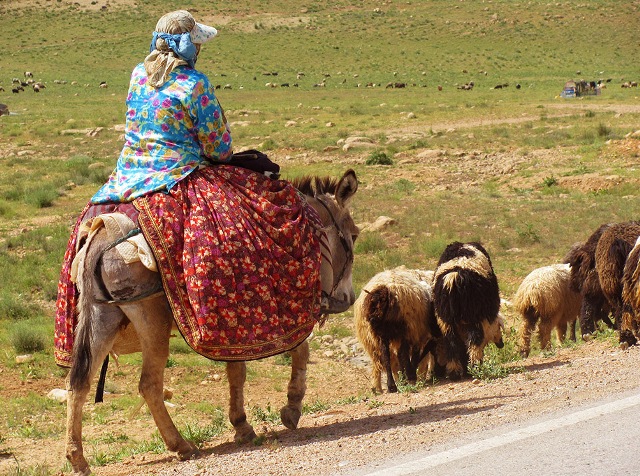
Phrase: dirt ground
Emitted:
{"points": [[350, 436]]}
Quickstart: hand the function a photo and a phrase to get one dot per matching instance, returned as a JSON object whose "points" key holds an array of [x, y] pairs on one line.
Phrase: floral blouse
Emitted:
{"points": [[170, 131]]}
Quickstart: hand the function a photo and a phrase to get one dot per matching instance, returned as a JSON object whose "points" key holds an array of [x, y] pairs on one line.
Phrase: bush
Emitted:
{"points": [[26, 338], [378, 158]]}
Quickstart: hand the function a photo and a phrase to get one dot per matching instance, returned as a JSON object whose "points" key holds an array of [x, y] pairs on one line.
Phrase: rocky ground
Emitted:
{"points": [[349, 438]]}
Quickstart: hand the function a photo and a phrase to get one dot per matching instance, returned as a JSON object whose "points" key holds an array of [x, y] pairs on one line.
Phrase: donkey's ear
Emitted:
{"points": [[346, 188]]}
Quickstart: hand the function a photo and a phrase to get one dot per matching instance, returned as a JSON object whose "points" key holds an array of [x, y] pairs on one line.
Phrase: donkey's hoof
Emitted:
{"points": [[188, 453], [290, 417], [245, 436]]}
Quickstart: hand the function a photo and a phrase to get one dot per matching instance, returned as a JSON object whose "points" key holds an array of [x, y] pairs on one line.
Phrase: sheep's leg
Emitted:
{"points": [[290, 414], [572, 329], [406, 365], [476, 344], [453, 352], [386, 363], [376, 375], [152, 320], [627, 328], [589, 311], [561, 331], [528, 325], [237, 375], [99, 343], [544, 333], [414, 361]]}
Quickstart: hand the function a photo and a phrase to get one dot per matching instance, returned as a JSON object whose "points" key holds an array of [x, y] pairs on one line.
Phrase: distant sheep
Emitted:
{"points": [[467, 305], [545, 298], [394, 322]]}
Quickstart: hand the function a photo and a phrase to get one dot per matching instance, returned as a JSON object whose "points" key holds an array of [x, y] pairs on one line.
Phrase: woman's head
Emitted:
{"points": [[176, 41], [181, 21]]}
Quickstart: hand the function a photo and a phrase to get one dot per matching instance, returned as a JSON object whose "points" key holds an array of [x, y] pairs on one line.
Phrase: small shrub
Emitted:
{"points": [[378, 158], [405, 387], [528, 234], [283, 359], [171, 362], [25, 338], [267, 415], [15, 309], [199, 434], [603, 131], [43, 197], [370, 243], [404, 186], [315, 407], [550, 181]]}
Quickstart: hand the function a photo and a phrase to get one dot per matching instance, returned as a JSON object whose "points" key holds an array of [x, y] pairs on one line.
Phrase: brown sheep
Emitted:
{"points": [[545, 298], [612, 250], [394, 322], [584, 280], [629, 324]]}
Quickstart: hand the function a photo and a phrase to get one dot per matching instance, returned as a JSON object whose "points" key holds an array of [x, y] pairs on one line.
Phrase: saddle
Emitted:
{"points": [[257, 162]]}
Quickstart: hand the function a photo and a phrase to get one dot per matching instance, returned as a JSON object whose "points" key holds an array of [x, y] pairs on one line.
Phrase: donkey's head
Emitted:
{"points": [[330, 198]]}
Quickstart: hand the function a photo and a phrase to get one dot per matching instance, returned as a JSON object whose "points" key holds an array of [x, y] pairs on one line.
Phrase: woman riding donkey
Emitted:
{"points": [[239, 252]]}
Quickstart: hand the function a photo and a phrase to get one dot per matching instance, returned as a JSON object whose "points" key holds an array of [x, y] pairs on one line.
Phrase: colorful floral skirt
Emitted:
{"points": [[239, 257]]}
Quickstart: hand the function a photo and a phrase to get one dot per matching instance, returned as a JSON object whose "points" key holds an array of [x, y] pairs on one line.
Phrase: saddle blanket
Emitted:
{"points": [[239, 258]]}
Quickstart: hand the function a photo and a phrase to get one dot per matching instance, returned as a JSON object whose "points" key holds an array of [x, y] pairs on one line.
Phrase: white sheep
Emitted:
{"points": [[395, 322], [545, 298]]}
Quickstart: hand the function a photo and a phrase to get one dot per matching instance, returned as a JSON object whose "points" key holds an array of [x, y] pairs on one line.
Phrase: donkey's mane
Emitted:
{"points": [[314, 185]]}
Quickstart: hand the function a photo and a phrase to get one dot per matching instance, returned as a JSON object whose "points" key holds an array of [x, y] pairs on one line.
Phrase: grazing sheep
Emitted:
{"points": [[394, 322], [545, 298], [612, 250], [467, 305], [584, 280], [28, 74], [629, 327]]}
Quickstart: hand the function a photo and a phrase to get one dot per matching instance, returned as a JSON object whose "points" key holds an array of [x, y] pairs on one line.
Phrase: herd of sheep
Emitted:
{"points": [[437, 323]]}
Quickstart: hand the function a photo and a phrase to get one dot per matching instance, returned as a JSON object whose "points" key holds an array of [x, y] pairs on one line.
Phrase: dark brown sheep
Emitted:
{"points": [[466, 301], [613, 247], [584, 280]]}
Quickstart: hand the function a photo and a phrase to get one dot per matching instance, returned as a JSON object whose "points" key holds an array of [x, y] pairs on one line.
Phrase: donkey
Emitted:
{"points": [[145, 324]]}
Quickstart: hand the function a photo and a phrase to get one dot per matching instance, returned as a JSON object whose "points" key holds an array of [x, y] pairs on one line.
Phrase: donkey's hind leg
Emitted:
{"points": [[237, 375], [290, 414], [152, 320], [95, 336]]}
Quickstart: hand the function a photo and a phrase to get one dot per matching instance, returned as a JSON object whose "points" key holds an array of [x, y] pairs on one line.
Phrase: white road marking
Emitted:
{"points": [[453, 454]]}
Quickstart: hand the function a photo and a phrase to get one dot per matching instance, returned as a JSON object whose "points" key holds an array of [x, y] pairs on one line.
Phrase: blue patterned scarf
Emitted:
{"points": [[180, 44]]}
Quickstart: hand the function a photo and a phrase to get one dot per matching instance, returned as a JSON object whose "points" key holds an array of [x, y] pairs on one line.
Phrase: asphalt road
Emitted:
{"points": [[602, 439]]}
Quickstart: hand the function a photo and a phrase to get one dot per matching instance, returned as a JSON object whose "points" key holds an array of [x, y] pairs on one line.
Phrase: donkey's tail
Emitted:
{"points": [[82, 357]]}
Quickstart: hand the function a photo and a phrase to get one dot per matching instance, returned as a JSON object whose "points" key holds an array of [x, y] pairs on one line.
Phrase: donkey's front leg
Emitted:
{"points": [[290, 414], [237, 375]]}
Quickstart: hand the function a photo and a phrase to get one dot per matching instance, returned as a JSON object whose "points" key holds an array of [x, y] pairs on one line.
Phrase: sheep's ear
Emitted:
{"points": [[346, 188]]}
